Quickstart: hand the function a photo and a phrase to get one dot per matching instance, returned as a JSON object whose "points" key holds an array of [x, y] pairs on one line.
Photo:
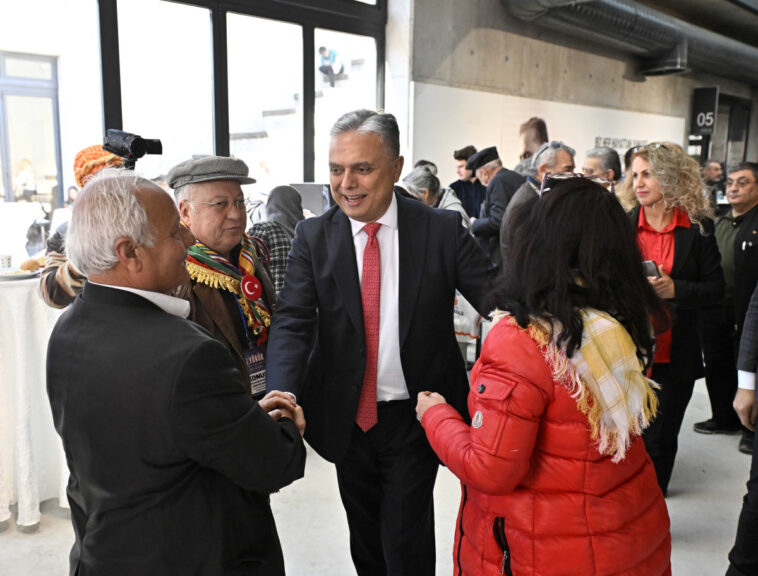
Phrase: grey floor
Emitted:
{"points": [[704, 502]]}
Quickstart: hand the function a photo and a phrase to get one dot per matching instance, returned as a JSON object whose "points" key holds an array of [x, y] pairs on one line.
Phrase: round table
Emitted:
{"points": [[32, 463]]}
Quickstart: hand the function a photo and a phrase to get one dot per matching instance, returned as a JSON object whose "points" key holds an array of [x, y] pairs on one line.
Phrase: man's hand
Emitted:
{"points": [[425, 401], [663, 286], [280, 404], [746, 407]]}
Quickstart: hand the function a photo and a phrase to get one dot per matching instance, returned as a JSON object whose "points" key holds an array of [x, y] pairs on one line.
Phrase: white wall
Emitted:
{"points": [[446, 119]]}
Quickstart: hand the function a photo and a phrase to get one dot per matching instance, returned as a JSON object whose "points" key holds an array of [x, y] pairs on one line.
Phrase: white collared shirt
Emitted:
{"points": [[170, 304], [390, 381]]}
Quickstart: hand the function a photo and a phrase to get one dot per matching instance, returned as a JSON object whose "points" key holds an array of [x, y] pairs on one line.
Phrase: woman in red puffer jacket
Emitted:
{"points": [[555, 476]]}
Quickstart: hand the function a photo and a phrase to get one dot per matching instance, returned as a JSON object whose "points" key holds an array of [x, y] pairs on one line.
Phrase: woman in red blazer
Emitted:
{"points": [[671, 217], [556, 479]]}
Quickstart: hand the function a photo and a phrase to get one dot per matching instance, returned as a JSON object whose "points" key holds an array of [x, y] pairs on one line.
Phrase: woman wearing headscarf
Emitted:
{"points": [[672, 220], [555, 476], [284, 209]]}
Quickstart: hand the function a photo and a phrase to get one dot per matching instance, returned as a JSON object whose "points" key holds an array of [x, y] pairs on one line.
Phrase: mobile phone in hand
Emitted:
{"points": [[650, 269]]}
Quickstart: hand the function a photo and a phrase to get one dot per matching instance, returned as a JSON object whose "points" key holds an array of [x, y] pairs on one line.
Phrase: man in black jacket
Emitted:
{"points": [[364, 324], [721, 325], [501, 186], [171, 460], [743, 558]]}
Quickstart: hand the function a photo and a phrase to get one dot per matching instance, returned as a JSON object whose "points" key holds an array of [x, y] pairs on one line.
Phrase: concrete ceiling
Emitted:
{"points": [[736, 19]]}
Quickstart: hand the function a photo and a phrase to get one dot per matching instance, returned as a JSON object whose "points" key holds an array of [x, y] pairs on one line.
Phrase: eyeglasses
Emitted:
{"points": [[550, 177], [651, 146], [740, 183], [221, 205]]}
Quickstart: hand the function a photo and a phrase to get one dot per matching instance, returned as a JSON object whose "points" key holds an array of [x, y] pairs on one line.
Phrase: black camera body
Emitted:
{"points": [[129, 146]]}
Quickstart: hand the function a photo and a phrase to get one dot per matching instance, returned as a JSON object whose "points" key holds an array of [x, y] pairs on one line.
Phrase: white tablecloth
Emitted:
{"points": [[32, 462]]}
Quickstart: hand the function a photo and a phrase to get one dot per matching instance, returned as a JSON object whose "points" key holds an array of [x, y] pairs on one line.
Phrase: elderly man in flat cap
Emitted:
{"points": [[501, 186], [230, 291]]}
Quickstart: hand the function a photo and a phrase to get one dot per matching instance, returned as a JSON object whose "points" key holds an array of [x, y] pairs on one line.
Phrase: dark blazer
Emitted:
{"points": [[698, 282], [171, 460], [500, 190], [316, 347], [744, 555]]}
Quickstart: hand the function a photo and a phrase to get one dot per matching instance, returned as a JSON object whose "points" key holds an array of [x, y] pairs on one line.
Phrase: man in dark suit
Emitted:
{"points": [[502, 185], [358, 356], [743, 558], [171, 460]]}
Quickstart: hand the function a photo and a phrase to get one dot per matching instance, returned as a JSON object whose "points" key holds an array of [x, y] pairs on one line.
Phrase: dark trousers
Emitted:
{"points": [[744, 556], [720, 342], [662, 436], [386, 482], [329, 71]]}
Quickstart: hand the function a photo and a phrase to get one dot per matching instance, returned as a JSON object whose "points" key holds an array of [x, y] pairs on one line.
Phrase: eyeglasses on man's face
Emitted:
{"points": [[222, 205], [551, 178], [739, 183]]}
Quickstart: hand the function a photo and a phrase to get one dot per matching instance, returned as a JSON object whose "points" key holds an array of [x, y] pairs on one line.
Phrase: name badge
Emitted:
{"points": [[255, 360]]}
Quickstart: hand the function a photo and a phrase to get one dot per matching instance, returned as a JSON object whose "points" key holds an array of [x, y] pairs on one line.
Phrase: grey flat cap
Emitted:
{"points": [[208, 168]]}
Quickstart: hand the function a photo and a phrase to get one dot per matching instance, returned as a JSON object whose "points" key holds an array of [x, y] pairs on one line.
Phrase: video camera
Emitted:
{"points": [[130, 146]]}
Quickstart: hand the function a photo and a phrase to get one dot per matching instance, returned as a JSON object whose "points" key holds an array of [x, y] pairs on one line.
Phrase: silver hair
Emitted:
{"points": [[106, 209], [609, 159], [366, 121], [493, 164], [548, 154], [420, 179]]}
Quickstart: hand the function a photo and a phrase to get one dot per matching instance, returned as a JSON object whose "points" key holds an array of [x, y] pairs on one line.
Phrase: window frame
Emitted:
{"points": [[338, 15], [34, 87]]}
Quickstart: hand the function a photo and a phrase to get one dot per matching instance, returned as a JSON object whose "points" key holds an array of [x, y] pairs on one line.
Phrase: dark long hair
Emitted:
{"points": [[575, 248]]}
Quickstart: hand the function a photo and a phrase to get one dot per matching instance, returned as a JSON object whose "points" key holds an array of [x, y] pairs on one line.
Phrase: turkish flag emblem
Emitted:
{"points": [[251, 287]]}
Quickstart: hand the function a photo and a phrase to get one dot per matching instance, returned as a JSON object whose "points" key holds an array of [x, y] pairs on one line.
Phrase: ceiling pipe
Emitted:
{"points": [[662, 44]]}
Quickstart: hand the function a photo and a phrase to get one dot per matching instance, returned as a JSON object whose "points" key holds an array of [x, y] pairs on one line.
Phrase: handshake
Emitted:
{"points": [[280, 404]]}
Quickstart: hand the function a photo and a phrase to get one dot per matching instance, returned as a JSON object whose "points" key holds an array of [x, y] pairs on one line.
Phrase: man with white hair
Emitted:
{"points": [[171, 460], [231, 292]]}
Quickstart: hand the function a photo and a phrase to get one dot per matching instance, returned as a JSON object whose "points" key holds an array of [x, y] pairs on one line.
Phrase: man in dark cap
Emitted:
{"points": [[230, 291], [501, 186]]}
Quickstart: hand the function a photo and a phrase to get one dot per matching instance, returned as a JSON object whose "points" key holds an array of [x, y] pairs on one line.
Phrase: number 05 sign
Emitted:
{"points": [[704, 107]]}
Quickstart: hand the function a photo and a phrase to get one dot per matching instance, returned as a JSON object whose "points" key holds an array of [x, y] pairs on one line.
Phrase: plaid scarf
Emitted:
{"points": [[604, 376], [208, 267]]}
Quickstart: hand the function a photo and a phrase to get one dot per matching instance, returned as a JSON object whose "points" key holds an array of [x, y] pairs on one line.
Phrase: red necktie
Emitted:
{"points": [[370, 287]]}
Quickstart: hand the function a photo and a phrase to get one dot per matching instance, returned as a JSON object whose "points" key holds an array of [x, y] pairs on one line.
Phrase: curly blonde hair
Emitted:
{"points": [[680, 178]]}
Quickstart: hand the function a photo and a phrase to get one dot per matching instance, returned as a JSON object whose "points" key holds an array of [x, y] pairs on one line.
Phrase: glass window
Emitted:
{"points": [[265, 98], [28, 68], [345, 80], [166, 79], [31, 134]]}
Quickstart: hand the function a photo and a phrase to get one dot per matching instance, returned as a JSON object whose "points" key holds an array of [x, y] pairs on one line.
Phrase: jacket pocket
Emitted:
{"points": [[488, 410], [498, 528]]}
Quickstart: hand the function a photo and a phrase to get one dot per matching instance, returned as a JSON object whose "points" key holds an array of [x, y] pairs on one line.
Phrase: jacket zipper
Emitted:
{"points": [[498, 527], [460, 530]]}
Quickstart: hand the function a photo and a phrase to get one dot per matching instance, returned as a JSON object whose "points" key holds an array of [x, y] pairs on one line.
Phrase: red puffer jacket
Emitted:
{"points": [[538, 498]]}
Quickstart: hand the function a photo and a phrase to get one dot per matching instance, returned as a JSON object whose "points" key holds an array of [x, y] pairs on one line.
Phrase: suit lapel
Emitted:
{"points": [[341, 253], [413, 226]]}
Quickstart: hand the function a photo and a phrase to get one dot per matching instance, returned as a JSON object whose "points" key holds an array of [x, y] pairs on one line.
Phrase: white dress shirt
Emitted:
{"points": [[171, 304], [390, 381]]}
